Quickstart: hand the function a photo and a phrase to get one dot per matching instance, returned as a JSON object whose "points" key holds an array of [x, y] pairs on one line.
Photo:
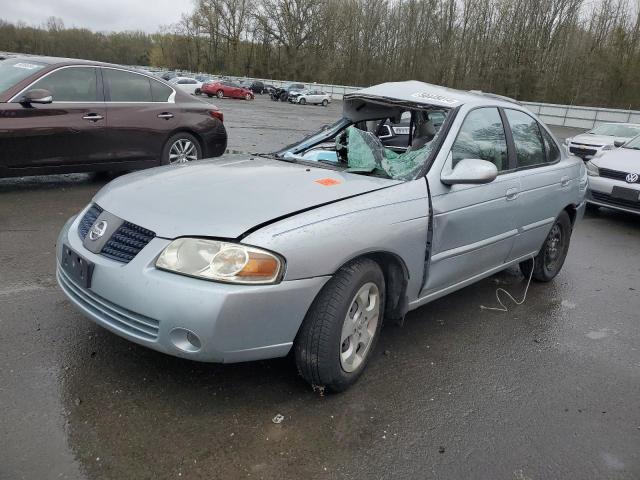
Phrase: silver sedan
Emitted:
{"points": [[312, 248], [614, 178]]}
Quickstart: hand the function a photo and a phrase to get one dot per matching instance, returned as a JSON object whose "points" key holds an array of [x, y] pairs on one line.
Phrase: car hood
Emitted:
{"points": [[621, 159], [227, 196], [597, 140]]}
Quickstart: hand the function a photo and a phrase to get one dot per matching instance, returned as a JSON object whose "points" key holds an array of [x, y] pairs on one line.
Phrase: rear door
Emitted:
{"points": [[546, 182], [69, 131], [141, 114], [474, 226]]}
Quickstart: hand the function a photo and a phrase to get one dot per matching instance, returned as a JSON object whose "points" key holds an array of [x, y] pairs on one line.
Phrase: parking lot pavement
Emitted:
{"points": [[548, 390]]}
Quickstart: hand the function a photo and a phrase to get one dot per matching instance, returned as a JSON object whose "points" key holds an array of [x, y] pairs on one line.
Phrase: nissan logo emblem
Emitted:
{"points": [[632, 178], [98, 230]]}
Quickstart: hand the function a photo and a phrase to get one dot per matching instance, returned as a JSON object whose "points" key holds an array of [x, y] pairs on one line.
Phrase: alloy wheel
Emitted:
{"points": [[554, 247], [359, 327], [182, 151]]}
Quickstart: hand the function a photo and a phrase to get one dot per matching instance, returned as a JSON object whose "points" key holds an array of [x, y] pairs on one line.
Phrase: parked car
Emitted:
{"points": [[257, 87], [282, 94], [225, 88], [269, 89], [62, 115], [313, 97], [329, 237], [187, 84], [602, 137], [614, 178], [169, 75]]}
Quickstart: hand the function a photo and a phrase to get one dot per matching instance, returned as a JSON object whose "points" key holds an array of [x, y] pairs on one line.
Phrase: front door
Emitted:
{"points": [[70, 131], [474, 226]]}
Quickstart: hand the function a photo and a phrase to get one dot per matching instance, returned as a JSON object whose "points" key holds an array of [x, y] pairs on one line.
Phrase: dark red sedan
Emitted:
{"points": [[223, 89], [62, 115]]}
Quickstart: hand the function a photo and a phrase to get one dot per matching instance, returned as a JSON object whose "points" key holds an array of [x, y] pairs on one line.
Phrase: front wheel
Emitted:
{"points": [[551, 257], [220, 94], [325, 102], [248, 96], [302, 101], [181, 148], [197, 91], [341, 327]]}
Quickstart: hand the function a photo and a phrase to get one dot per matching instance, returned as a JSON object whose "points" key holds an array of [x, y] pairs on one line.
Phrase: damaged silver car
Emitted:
{"points": [[313, 247]]}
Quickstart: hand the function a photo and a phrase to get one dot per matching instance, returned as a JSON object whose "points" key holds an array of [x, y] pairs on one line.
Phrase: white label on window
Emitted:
{"points": [[434, 96], [27, 66]]}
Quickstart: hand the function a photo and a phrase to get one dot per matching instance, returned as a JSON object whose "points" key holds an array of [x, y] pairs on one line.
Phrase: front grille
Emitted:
{"points": [[125, 243], [606, 198], [582, 151], [117, 317], [88, 220], [615, 174]]}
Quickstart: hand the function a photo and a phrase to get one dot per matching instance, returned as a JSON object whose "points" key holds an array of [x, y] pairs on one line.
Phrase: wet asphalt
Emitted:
{"points": [[549, 390]]}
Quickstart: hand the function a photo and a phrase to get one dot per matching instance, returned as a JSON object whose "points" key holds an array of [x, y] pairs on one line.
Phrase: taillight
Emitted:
{"points": [[217, 114]]}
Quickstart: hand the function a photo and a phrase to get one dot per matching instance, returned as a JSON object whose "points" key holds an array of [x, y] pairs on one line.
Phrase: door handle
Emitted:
{"points": [[166, 115], [94, 117], [564, 181], [512, 193]]}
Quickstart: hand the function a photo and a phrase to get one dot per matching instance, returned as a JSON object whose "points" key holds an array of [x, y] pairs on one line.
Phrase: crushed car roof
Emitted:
{"points": [[424, 93]]}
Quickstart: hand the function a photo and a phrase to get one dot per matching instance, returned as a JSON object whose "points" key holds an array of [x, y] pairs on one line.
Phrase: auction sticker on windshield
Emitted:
{"points": [[27, 66], [434, 96]]}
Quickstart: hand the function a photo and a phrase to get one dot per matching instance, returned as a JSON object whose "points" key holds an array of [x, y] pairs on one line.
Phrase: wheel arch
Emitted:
{"points": [[572, 211], [396, 277]]}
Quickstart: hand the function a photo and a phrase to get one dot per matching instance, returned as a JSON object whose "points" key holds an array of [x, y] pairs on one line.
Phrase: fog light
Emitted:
{"points": [[185, 340]]}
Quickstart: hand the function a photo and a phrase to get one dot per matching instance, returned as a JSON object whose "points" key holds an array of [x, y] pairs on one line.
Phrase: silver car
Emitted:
{"points": [[614, 178], [311, 248], [604, 137]]}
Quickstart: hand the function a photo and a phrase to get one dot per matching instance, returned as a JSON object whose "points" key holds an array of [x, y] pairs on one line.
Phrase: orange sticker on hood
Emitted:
{"points": [[328, 182]]}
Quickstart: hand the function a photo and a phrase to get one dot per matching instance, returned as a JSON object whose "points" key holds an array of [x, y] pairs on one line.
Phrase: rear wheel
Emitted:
{"points": [[325, 102], [219, 94], [197, 91], [551, 257], [181, 148], [248, 96], [341, 327]]}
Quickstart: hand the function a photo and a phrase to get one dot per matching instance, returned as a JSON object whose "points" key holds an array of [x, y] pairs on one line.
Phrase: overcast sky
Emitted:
{"points": [[99, 15]]}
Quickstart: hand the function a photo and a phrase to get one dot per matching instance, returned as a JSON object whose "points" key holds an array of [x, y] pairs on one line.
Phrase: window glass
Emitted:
{"points": [[526, 136], [71, 85], [482, 136], [14, 70], [550, 146], [160, 92], [127, 87]]}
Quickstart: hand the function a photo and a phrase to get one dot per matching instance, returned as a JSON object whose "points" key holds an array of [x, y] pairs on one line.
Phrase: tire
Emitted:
{"points": [[550, 259], [326, 347], [325, 102], [197, 91], [209, 95], [220, 94], [302, 101], [284, 97], [174, 145], [248, 97]]}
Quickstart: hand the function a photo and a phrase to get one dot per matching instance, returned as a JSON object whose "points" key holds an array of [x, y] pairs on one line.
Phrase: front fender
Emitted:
{"points": [[318, 242]]}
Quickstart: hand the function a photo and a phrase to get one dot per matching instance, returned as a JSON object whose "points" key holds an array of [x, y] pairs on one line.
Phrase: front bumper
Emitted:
{"points": [[233, 323], [600, 193]]}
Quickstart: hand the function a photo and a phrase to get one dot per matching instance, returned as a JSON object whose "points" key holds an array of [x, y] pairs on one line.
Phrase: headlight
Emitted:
{"points": [[220, 261], [592, 170]]}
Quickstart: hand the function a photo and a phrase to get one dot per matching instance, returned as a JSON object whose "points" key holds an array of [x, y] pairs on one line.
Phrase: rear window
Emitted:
{"points": [[14, 70]]}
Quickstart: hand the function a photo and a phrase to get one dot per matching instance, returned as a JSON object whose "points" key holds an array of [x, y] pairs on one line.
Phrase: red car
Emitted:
{"points": [[226, 89]]}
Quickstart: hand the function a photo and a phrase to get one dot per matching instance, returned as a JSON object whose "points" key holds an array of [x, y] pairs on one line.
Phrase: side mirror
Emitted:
{"points": [[38, 95], [618, 143], [471, 171]]}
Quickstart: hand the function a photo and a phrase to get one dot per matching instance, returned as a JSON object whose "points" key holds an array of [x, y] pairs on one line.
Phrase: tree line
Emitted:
{"points": [[581, 52]]}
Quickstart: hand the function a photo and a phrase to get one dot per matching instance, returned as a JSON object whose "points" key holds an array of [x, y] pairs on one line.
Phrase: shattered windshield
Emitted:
{"points": [[395, 147]]}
